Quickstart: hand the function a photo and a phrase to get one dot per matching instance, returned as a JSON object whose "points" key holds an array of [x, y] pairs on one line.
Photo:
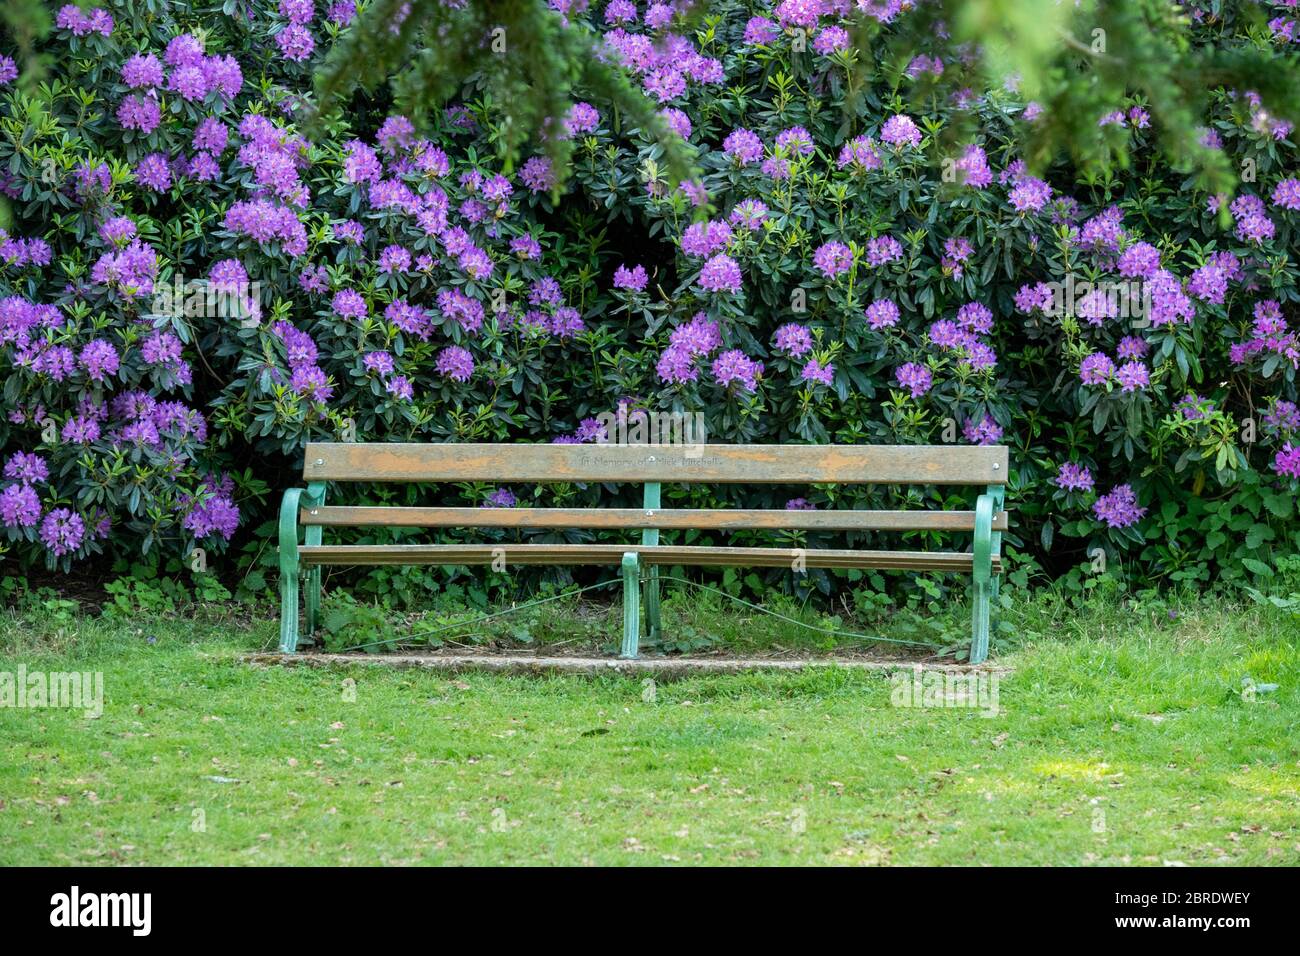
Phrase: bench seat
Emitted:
{"points": [[613, 554]]}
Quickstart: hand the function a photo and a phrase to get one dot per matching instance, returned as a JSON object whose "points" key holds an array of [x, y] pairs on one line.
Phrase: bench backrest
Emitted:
{"points": [[705, 464]]}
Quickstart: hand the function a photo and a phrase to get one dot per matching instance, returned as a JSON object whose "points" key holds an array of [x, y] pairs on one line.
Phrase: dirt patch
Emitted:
{"points": [[663, 668]]}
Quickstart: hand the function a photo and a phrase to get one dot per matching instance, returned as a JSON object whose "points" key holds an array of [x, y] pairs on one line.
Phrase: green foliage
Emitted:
{"points": [[520, 59]]}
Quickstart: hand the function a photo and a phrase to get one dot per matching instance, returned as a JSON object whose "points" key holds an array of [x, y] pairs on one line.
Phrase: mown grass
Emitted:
{"points": [[1122, 737]]}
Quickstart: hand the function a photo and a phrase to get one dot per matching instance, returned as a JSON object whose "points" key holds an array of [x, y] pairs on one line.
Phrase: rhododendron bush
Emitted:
{"points": [[191, 289]]}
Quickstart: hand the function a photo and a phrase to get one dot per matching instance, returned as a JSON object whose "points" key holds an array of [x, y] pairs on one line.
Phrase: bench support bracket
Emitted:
{"points": [[650, 536], [631, 606], [982, 583], [291, 567]]}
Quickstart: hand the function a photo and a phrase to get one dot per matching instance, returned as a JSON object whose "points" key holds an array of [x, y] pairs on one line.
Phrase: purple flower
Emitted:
{"points": [[97, 21], [184, 50], [400, 387], [882, 250], [1132, 347], [1133, 376], [815, 372], [99, 359], [212, 512], [985, 432], [678, 121], [526, 247], [349, 304], [743, 146], [749, 214], [142, 70], [831, 39], [705, 238], [1287, 462], [1034, 298], [1073, 477], [20, 506], [583, 118], [1096, 369], [455, 363], [833, 259], [1029, 194], [537, 175], [29, 469], [699, 336], [62, 531], [676, 366], [631, 280], [502, 497], [295, 42], [1119, 509], [900, 130], [915, 378], [734, 367], [394, 259], [1140, 261], [794, 141], [1286, 194], [297, 11], [793, 339], [466, 312], [140, 113], [761, 31], [378, 362], [881, 314], [860, 153], [720, 274], [311, 383]]}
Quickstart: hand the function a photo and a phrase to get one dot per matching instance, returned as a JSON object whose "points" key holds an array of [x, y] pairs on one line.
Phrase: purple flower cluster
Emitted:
{"points": [[984, 432], [833, 259], [1073, 477], [1269, 335], [212, 511], [689, 341], [963, 336], [915, 378], [1119, 508], [71, 17], [734, 367]]}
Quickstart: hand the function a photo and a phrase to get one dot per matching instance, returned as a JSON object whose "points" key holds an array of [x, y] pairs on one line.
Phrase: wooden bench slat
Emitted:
{"points": [[612, 554], [747, 464], [611, 518]]}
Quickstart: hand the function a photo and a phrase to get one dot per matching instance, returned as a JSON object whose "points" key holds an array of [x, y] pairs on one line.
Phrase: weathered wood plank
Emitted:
{"points": [[745, 464], [612, 518], [612, 554]]}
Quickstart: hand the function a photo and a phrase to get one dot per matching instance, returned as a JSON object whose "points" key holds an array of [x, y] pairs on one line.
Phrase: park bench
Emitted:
{"points": [[652, 465]]}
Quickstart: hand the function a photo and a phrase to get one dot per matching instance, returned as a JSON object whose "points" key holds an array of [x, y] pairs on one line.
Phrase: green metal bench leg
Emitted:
{"points": [[289, 570], [650, 536], [979, 639], [981, 583], [998, 494], [631, 605], [652, 603], [311, 596], [314, 497]]}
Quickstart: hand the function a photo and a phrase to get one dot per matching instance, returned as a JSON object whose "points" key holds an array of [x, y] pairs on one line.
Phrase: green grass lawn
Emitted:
{"points": [[1121, 738]]}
